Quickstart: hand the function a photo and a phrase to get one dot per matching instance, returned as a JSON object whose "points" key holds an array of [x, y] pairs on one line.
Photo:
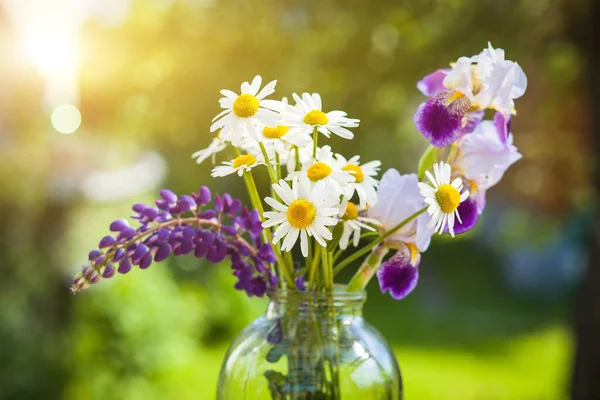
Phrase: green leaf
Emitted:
{"points": [[429, 157], [337, 234]]}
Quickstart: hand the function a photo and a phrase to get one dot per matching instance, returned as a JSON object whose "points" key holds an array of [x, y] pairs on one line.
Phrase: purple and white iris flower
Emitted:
{"points": [[398, 198], [459, 95], [482, 159]]}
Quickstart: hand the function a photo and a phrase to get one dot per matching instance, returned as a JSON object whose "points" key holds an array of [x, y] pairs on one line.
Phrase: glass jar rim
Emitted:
{"points": [[339, 295]]}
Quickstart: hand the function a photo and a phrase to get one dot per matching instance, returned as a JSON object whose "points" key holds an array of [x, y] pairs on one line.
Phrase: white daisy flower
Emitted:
{"points": [[327, 170], [308, 211], [364, 184], [242, 112], [282, 139], [353, 222], [216, 145], [239, 164], [443, 198], [307, 114]]}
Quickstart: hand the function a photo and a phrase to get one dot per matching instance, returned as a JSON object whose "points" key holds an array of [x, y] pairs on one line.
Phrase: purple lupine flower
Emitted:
{"points": [[119, 225], [181, 225], [399, 274]]}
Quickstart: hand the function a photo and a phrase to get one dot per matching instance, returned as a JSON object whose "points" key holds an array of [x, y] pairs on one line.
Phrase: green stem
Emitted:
{"points": [[365, 273], [374, 243], [278, 167], [315, 141], [313, 269], [268, 162], [298, 165]]}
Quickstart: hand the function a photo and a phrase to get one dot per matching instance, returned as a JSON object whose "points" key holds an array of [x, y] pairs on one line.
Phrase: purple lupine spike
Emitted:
{"points": [[229, 230], [150, 212], [107, 241], [164, 250], [109, 271], [235, 235], [95, 278], [218, 203], [139, 253], [126, 234], [187, 246], [124, 266], [162, 204], [235, 206], [162, 235], [146, 261], [94, 254], [168, 196], [118, 225], [99, 261], [130, 249], [119, 254], [187, 203], [208, 214], [227, 200], [188, 233], [139, 207], [204, 195]]}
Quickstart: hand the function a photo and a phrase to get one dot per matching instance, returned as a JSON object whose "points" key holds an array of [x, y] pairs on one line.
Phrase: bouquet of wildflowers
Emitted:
{"points": [[322, 202]]}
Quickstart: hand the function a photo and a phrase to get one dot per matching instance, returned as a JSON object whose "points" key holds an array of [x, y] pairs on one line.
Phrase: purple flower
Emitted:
{"points": [[119, 225], [228, 230], [399, 274], [440, 119], [107, 241]]}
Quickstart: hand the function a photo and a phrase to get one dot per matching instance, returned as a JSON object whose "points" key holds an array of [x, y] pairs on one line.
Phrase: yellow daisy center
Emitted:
{"points": [[351, 211], [316, 117], [301, 213], [448, 198], [356, 171], [275, 133], [245, 105], [246, 159], [318, 171]]}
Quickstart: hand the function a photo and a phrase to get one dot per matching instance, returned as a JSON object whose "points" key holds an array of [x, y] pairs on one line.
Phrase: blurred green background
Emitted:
{"points": [[490, 319]]}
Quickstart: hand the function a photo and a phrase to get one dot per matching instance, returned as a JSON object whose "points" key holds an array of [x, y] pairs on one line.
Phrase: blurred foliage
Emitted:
{"points": [[152, 82]]}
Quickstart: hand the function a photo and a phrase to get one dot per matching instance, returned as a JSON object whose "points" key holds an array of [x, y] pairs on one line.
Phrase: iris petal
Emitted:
{"points": [[399, 275]]}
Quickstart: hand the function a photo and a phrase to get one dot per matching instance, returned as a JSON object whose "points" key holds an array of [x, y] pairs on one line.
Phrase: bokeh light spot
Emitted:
{"points": [[66, 118]]}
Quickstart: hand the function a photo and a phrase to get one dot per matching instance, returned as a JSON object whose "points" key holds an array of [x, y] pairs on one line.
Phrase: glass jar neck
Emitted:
{"points": [[287, 302]]}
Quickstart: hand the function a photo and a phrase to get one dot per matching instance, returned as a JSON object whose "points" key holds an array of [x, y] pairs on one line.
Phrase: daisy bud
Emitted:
{"points": [[119, 225]]}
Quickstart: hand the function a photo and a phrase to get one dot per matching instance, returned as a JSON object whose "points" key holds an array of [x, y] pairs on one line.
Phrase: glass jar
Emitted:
{"points": [[310, 346]]}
